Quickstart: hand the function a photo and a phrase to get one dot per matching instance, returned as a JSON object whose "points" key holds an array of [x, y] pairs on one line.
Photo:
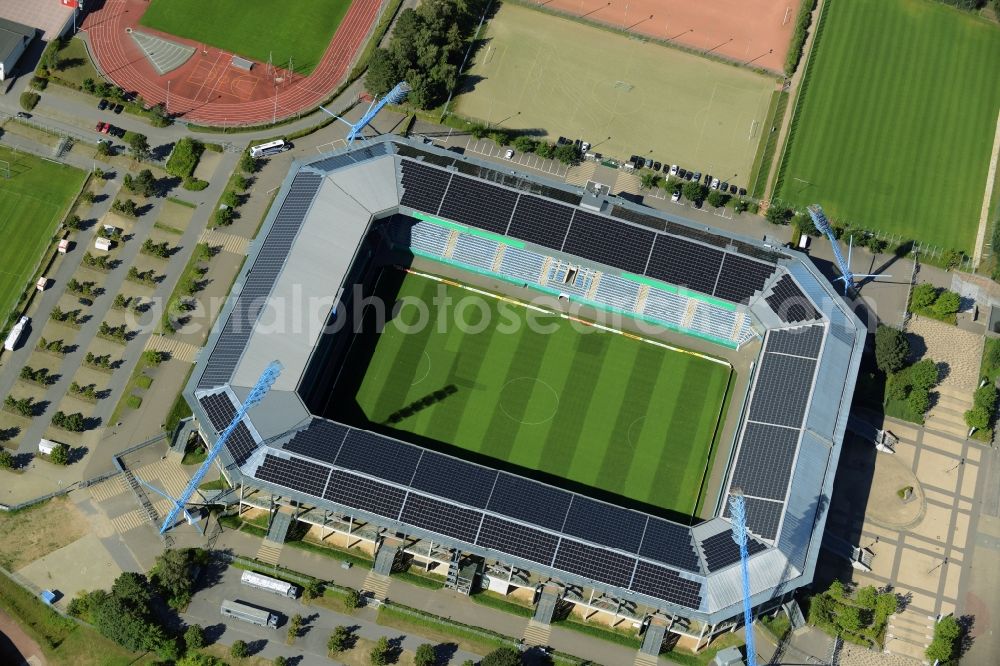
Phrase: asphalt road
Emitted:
{"points": [[204, 609]]}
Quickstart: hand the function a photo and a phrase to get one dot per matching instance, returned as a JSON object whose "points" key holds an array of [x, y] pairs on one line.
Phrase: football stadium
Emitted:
{"points": [[520, 384]]}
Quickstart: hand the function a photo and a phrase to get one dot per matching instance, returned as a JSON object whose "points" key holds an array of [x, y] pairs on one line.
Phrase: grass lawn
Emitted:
{"points": [[299, 30], [32, 203], [555, 76], [76, 65], [894, 130], [581, 408]]}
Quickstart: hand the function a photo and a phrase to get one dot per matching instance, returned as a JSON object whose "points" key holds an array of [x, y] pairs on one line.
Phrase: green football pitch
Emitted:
{"points": [[572, 405], [32, 203], [553, 77], [897, 120], [258, 29]]}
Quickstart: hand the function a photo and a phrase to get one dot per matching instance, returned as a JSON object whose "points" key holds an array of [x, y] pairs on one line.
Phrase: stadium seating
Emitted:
{"points": [[715, 321], [475, 251], [579, 285], [617, 292], [522, 265], [429, 238], [666, 307]]}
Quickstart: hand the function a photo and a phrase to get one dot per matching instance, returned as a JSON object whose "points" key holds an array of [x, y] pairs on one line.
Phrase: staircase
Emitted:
{"points": [[908, 634], [537, 633], [377, 584], [581, 174], [270, 548], [140, 494], [948, 413]]}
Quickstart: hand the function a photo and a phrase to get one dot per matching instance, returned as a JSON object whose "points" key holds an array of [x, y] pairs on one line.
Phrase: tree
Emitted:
{"points": [[648, 180], [545, 149], [194, 637], [239, 650], [425, 655], [383, 73], [294, 627], [60, 454], [117, 620], [224, 217], [379, 655], [138, 144], [312, 590], [73, 222], [836, 590], [153, 357], [886, 604], [231, 199], [866, 597], [693, 191], [6, 459], [133, 588], [103, 148], [923, 296], [919, 401], [503, 656], [947, 303], [172, 574], [717, 199], [923, 374], [849, 618], [352, 599], [524, 143], [566, 153], [978, 417], [199, 659], [280, 661], [248, 164], [339, 639], [777, 214], [943, 646], [145, 183], [891, 349]]}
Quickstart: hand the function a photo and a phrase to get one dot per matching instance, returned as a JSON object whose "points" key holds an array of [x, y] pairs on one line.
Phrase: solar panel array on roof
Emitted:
{"points": [[320, 440], [539, 221], [741, 278], [663, 583], [802, 341], [789, 303], [379, 456], [764, 465], [220, 410], [645, 220], [668, 542], [423, 186], [684, 263], [598, 239], [478, 204], [454, 479], [605, 524], [424, 156], [721, 551], [701, 235], [339, 161], [364, 494], [763, 516], [594, 563], [781, 391], [260, 280], [442, 517], [530, 501], [241, 444], [295, 473], [517, 540]]}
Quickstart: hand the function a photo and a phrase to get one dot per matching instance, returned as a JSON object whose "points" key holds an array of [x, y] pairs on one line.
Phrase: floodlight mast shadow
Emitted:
{"points": [[257, 393], [847, 276], [738, 513], [394, 96]]}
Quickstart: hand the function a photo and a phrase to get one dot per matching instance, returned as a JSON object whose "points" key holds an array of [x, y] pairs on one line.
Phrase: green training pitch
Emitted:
{"points": [[575, 406], [557, 77], [32, 203], [257, 29], [897, 120]]}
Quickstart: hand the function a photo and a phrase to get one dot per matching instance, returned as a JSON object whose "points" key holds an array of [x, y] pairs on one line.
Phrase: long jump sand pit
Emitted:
{"points": [[746, 31], [555, 76]]}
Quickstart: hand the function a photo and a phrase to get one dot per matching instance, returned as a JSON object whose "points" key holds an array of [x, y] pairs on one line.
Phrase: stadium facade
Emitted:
{"points": [[330, 216]]}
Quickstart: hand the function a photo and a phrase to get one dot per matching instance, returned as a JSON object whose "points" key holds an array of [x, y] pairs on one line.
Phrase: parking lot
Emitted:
{"points": [[527, 160]]}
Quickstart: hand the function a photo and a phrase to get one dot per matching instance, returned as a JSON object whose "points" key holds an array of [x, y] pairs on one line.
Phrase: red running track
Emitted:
{"points": [[207, 89]]}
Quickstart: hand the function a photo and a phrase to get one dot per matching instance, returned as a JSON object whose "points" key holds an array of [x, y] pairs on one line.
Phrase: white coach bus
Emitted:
{"points": [[15, 335], [268, 584], [269, 148]]}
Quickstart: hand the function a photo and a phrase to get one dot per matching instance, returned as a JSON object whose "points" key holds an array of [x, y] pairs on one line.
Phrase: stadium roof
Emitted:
{"points": [[787, 445]]}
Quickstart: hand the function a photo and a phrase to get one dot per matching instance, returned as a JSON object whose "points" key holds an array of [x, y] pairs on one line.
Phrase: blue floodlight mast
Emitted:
{"points": [[394, 96], [847, 276], [738, 511], [257, 393]]}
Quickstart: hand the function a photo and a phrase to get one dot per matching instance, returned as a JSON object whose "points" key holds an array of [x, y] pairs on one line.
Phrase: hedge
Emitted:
{"points": [[802, 22], [184, 157]]}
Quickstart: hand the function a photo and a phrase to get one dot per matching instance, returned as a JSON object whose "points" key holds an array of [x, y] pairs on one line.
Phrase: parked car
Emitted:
{"points": [[697, 177], [639, 162], [107, 126], [732, 189], [584, 147], [743, 191], [99, 127], [724, 187], [509, 155], [673, 169], [656, 166], [117, 131], [676, 196], [119, 108], [103, 104], [23, 115], [715, 184], [708, 179]]}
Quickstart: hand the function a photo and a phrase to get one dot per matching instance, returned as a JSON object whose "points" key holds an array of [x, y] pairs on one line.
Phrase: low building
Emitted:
{"points": [[14, 40]]}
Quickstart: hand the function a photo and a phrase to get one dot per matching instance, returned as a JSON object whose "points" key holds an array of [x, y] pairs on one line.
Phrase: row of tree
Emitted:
{"points": [[911, 383], [143, 183], [74, 422], [426, 50]]}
